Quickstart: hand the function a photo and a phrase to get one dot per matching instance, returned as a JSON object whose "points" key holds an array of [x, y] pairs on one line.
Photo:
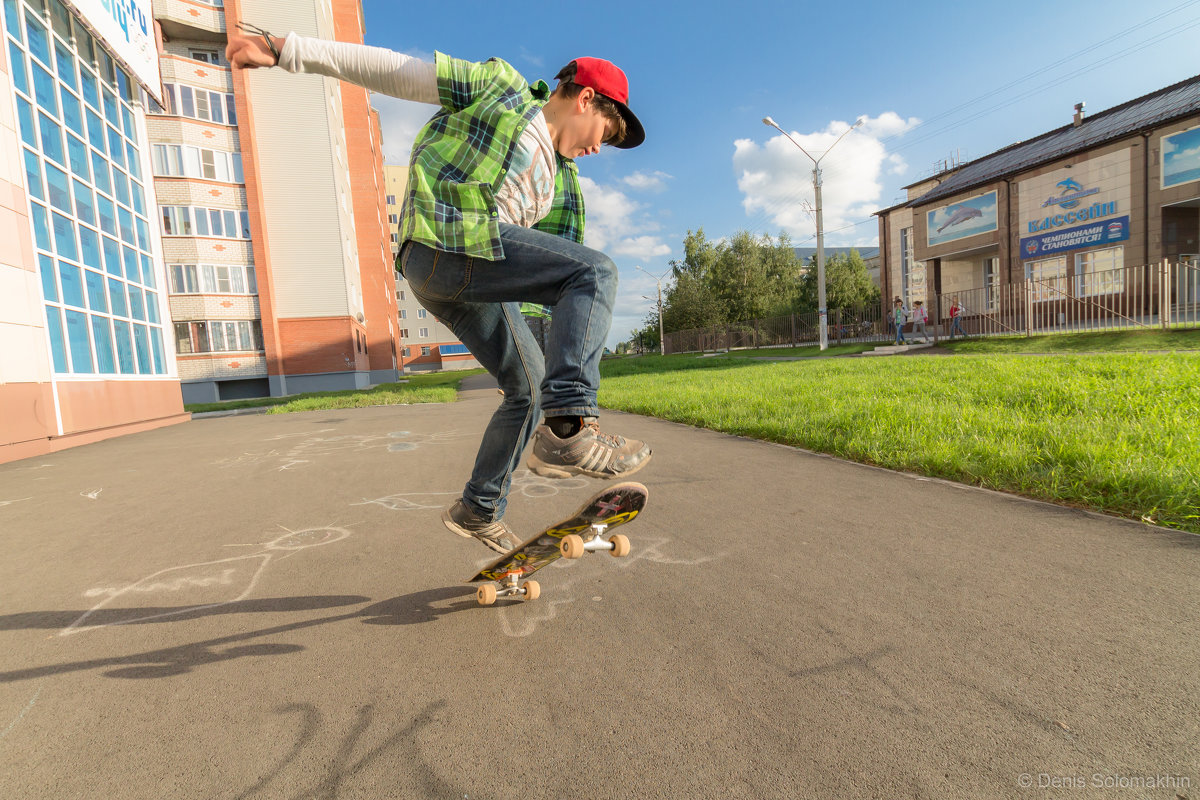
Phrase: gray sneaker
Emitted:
{"points": [[495, 535], [589, 452]]}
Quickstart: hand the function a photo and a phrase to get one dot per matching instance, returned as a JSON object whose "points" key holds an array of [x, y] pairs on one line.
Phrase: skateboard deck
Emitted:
{"points": [[585, 531]]}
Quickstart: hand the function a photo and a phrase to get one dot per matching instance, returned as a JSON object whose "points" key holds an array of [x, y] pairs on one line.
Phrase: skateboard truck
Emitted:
{"points": [[574, 546], [486, 594]]}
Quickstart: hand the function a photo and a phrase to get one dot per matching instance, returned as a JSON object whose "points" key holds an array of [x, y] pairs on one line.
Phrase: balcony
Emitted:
{"points": [[184, 19]]}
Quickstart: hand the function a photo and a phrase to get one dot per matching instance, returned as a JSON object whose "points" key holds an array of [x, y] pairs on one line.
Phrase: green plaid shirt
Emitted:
{"points": [[462, 154]]}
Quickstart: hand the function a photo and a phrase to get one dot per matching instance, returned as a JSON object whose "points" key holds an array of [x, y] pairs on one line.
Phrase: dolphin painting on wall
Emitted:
{"points": [[960, 215]]}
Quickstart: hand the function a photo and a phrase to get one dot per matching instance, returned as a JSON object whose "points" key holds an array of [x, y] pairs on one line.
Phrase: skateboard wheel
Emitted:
{"points": [[533, 590], [486, 594], [572, 546], [620, 545]]}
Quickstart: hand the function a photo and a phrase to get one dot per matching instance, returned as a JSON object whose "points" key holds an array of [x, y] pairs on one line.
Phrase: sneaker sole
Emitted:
{"points": [[545, 470]]}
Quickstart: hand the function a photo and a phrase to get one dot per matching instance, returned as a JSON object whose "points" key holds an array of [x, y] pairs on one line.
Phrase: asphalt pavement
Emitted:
{"points": [[268, 606]]}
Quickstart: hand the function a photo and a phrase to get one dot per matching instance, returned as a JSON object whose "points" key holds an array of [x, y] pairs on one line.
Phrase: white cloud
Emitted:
{"points": [[614, 223], [776, 178], [401, 120], [655, 182]]}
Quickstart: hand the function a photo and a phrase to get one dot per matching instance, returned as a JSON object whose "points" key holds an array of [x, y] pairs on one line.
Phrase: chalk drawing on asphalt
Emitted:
{"points": [[24, 711], [4, 503], [307, 451], [205, 585], [91, 494]]}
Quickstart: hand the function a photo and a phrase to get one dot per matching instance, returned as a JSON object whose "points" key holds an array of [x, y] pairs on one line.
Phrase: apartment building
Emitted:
{"points": [[272, 214]]}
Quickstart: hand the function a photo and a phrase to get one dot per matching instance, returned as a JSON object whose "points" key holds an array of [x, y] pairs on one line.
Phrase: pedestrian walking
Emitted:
{"points": [[494, 217], [899, 317], [920, 317], [957, 310]]}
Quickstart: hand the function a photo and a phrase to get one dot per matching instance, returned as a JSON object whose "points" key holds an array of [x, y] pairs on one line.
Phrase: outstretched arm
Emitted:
{"points": [[373, 68]]}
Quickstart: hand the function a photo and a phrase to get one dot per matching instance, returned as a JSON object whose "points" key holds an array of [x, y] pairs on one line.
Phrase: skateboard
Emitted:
{"points": [[582, 532]]}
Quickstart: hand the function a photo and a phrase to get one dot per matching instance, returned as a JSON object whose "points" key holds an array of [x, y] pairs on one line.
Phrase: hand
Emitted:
{"points": [[250, 52]]}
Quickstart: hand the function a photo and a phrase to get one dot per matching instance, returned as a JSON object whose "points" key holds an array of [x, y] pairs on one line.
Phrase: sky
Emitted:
{"points": [[931, 82]]}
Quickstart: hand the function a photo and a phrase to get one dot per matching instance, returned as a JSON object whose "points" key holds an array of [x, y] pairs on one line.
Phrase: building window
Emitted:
{"points": [[423, 333], [196, 103], [422, 313], [404, 333], [185, 161], [212, 279], [425, 351], [405, 352], [391, 199], [192, 221], [218, 336], [906, 262], [207, 56], [991, 284], [393, 218], [76, 119], [1100, 272], [401, 295], [1049, 278]]}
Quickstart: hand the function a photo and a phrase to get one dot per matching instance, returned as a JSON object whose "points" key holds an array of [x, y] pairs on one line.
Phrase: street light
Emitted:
{"points": [[662, 345], [821, 310]]}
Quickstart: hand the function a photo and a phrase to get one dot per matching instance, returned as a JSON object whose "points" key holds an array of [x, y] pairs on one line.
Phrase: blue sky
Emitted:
{"points": [[931, 79]]}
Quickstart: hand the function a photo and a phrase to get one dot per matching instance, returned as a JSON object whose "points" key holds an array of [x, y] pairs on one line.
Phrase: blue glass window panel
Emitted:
{"points": [[124, 348], [16, 60], [33, 175], [39, 40], [66, 65], [123, 85], [116, 146], [152, 307], [189, 106], [245, 217], [45, 90], [78, 153], [147, 272], [108, 215], [130, 257], [214, 217], [160, 360], [120, 186], [143, 233], [12, 16], [64, 237], [41, 226], [230, 111], [126, 218], [231, 229], [28, 129], [89, 247], [97, 297], [58, 186], [72, 110], [139, 202], [100, 170], [201, 223], [102, 336], [80, 340], [141, 336], [89, 89], [112, 256], [96, 132], [85, 204], [49, 283], [71, 281], [116, 295], [57, 341], [137, 303], [131, 158], [52, 144], [127, 121], [110, 108]]}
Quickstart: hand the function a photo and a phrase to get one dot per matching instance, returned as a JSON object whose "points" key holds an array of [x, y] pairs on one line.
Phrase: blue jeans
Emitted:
{"points": [[480, 301], [956, 325], [899, 332]]}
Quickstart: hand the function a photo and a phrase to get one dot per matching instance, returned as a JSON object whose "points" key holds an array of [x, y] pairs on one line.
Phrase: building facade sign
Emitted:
{"points": [[1059, 241], [1181, 158], [127, 30], [962, 219], [1094, 192]]}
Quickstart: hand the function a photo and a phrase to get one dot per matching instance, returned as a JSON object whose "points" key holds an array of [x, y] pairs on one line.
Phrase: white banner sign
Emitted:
{"points": [[126, 28]]}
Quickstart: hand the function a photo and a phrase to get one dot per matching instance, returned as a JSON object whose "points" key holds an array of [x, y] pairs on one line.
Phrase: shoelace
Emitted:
{"points": [[607, 438]]}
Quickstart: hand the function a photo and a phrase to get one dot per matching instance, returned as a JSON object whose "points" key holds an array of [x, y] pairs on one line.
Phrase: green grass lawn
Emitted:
{"points": [[1113, 432], [1100, 342], [441, 387]]}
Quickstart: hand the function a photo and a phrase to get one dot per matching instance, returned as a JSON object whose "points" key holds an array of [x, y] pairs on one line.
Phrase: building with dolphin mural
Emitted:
{"points": [[1117, 189]]}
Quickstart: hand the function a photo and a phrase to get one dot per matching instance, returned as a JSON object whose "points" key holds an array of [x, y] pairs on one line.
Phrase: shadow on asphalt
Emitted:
{"points": [[423, 606], [147, 615]]}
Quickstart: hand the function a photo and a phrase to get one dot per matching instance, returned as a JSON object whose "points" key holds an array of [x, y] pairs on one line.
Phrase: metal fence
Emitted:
{"points": [[1164, 295]]}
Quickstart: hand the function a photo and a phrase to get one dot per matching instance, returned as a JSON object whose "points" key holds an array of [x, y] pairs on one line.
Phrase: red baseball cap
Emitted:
{"points": [[606, 78]]}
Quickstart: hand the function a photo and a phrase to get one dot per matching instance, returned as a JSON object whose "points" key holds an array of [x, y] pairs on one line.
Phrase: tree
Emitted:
{"points": [[848, 284]]}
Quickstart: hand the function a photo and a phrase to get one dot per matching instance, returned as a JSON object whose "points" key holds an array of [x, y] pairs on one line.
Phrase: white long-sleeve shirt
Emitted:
{"points": [[527, 193]]}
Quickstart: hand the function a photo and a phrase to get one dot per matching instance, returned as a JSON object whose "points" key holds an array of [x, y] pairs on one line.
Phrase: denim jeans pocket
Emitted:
{"points": [[436, 274]]}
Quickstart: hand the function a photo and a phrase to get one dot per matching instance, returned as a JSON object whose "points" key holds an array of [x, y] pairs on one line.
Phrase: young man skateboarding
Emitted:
{"points": [[494, 217]]}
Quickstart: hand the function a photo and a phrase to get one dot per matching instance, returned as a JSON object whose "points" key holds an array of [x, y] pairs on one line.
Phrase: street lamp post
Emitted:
{"points": [[662, 344], [823, 313]]}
